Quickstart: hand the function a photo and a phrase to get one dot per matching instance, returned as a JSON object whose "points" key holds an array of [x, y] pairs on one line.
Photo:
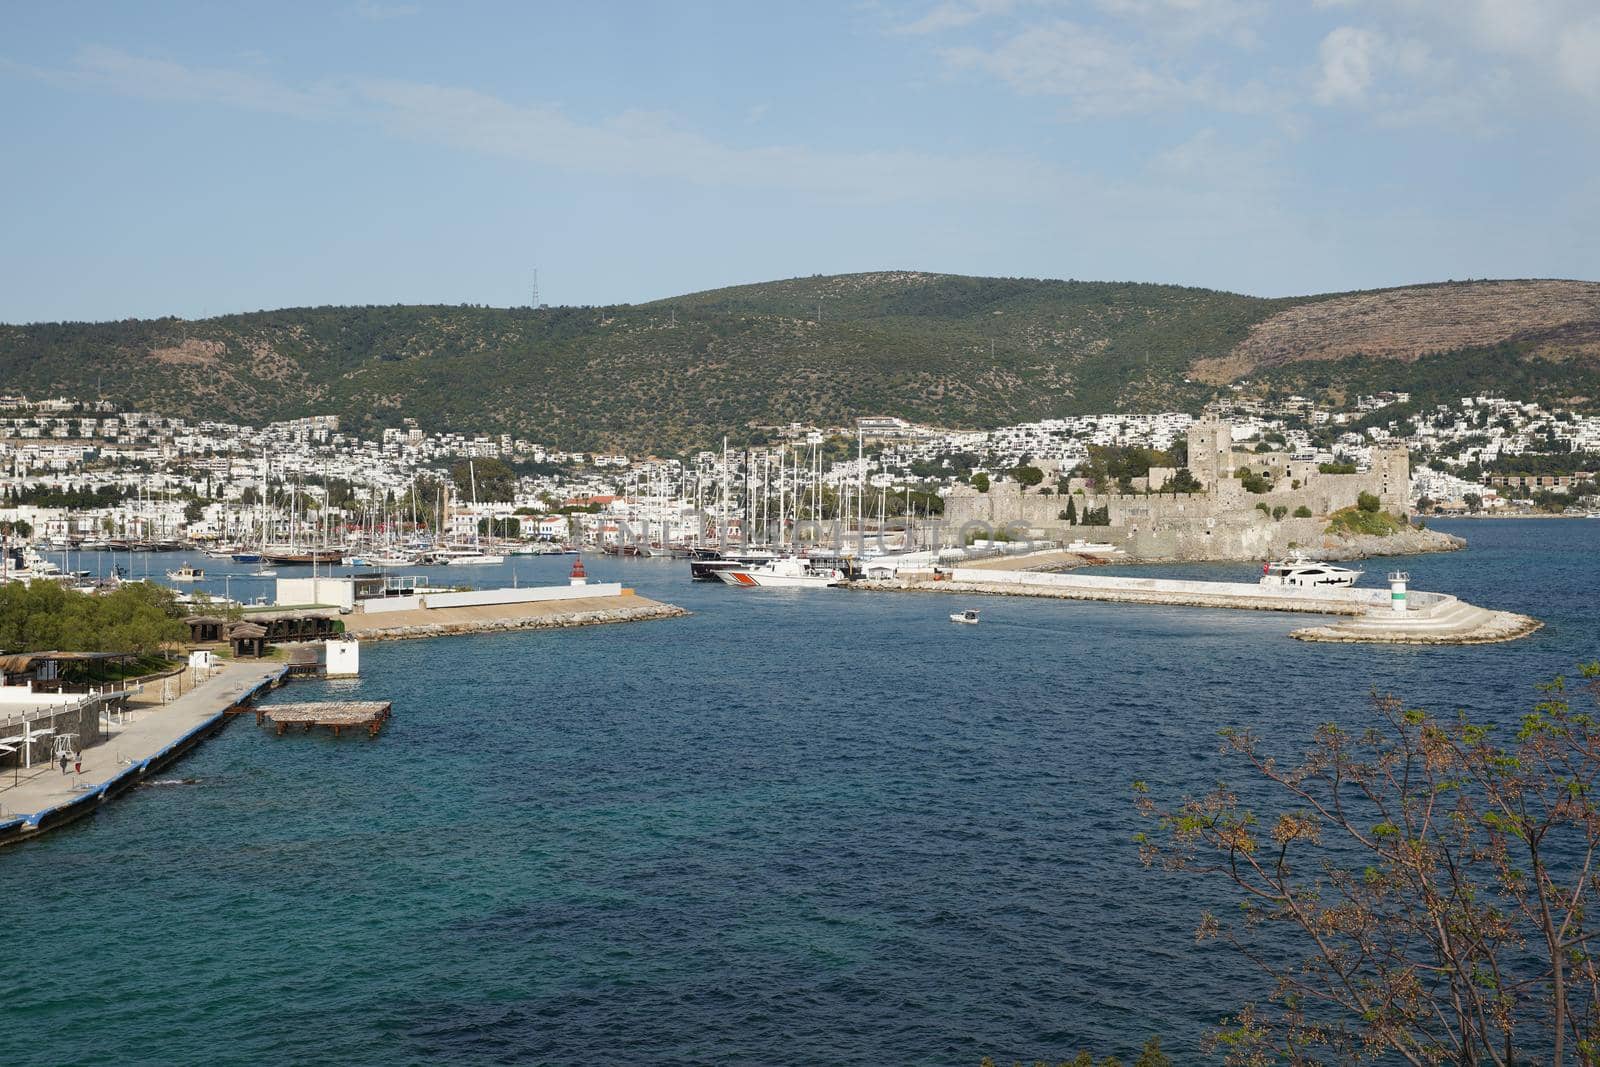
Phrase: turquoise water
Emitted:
{"points": [[816, 827]]}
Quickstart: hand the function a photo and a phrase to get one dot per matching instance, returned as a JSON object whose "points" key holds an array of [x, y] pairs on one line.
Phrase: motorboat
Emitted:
{"points": [[1304, 572], [187, 573], [465, 557], [1093, 548], [788, 572], [970, 616]]}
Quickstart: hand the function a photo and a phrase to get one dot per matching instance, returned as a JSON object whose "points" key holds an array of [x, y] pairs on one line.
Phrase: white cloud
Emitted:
{"points": [[1096, 73], [629, 143], [162, 79], [1544, 45], [954, 14], [1350, 58]]}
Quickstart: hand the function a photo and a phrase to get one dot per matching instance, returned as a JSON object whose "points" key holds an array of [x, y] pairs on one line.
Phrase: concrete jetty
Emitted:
{"points": [[623, 605], [1429, 618], [146, 742]]}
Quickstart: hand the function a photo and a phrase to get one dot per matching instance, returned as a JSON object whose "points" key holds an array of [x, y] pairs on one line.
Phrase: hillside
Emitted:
{"points": [[947, 349]]}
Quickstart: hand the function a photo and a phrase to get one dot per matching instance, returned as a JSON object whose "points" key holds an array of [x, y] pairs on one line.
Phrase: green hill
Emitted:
{"points": [[946, 349]]}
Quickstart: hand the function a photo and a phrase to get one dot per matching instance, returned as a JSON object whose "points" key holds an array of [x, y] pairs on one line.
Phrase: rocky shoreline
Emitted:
{"points": [[1409, 542], [559, 621]]}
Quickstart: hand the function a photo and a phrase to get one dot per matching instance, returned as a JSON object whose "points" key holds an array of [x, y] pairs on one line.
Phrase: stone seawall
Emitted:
{"points": [[639, 611], [1431, 618]]}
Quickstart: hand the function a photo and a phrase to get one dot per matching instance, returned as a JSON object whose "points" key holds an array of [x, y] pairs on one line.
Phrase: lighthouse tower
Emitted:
{"points": [[1397, 590], [578, 577]]}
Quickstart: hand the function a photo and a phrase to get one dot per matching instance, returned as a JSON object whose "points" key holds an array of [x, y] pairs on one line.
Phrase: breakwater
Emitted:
{"points": [[501, 618], [1431, 618]]}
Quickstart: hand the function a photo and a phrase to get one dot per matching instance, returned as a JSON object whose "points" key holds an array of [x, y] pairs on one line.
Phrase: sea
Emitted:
{"points": [[813, 826]]}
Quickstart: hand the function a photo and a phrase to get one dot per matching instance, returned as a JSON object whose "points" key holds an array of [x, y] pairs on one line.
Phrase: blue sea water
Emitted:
{"points": [[809, 827]]}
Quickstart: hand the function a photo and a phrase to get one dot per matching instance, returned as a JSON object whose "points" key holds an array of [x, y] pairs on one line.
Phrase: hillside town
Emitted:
{"points": [[82, 471]]}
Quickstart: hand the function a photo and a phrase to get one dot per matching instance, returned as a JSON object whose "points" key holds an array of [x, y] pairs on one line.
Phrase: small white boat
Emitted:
{"points": [[1093, 548], [788, 572], [187, 573], [970, 616], [1303, 572]]}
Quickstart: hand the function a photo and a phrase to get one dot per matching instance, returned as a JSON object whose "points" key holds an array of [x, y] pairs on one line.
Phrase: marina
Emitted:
{"points": [[644, 787]]}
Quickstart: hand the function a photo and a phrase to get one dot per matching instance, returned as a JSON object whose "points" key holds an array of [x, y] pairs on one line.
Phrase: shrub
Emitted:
{"points": [[1336, 468], [980, 482], [1279, 512], [1368, 503], [1302, 512]]}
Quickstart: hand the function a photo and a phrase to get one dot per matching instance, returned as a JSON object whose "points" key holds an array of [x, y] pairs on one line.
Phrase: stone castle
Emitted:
{"points": [[1222, 521]]}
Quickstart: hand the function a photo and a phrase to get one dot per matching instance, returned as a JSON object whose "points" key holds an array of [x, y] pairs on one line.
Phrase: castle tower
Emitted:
{"points": [[1391, 467], [1211, 453]]}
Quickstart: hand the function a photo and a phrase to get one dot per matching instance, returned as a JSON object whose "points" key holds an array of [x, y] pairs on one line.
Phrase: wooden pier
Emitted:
{"points": [[336, 715]]}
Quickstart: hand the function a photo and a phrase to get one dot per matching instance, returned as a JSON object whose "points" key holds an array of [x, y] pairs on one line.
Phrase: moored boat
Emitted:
{"points": [[789, 572], [1303, 572]]}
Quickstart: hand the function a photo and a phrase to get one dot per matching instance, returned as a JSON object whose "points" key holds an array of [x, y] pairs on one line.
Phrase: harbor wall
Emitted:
{"points": [[1328, 601], [478, 598]]}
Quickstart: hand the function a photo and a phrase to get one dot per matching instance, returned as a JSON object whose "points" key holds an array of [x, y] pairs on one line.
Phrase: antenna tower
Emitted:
{"points": [[535, 301]]}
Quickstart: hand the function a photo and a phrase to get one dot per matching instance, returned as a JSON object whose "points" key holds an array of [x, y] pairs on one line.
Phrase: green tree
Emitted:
{"points": [[1474, 501], [1182, 481], [1152, 1056], [980, 482], [1368, 502], [1027, 476], [496, 482], [194, 511]]}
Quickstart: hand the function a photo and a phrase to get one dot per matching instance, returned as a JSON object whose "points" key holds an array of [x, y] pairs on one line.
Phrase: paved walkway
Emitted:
{"points": [[145, 731]]}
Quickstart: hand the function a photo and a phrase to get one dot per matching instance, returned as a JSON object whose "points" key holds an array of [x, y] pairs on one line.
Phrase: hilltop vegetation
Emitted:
{"points": [[678, 373]]}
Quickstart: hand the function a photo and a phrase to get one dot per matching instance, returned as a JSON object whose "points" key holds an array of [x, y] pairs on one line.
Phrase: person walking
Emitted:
{"points": [[77, 762], [63, 763]]}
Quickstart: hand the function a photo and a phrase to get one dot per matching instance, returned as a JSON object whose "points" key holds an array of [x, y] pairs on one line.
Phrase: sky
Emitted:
{"points": [[194, 160]]}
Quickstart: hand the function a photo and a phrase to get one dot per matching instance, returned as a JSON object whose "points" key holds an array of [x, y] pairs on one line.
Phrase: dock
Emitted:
{"points": [[140, 745], [338, 715]]}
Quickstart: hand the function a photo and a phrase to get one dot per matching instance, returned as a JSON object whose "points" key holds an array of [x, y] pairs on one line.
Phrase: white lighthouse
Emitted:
{"points": [[1397, 590]]}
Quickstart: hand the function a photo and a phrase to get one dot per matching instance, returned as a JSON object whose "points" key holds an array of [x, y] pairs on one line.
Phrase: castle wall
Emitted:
{"points": [[1222, 522]]}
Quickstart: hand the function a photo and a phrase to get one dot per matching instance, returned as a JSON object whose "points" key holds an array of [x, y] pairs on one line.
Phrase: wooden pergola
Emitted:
{"points": [[248, 639]]}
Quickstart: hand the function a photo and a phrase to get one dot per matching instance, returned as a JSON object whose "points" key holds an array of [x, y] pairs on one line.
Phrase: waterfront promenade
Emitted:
{"points": [[145, 732]]}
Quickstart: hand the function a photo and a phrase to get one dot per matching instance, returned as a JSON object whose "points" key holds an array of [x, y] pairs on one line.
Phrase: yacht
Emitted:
{"points": [[1302, 571], [1093, 547], [463, 556], [789, 572]]}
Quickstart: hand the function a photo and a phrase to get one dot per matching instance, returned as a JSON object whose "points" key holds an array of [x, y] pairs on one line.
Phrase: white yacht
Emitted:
{"points": [[1094, 548], [462, 556], [1302, 571], [788, 572]]}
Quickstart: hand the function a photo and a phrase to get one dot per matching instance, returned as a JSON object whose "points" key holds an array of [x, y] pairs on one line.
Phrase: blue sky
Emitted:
{"points": [[200, 159]]}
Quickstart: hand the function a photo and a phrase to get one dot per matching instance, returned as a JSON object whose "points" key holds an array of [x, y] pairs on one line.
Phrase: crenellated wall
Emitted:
{"points": [[1221, 522]]}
